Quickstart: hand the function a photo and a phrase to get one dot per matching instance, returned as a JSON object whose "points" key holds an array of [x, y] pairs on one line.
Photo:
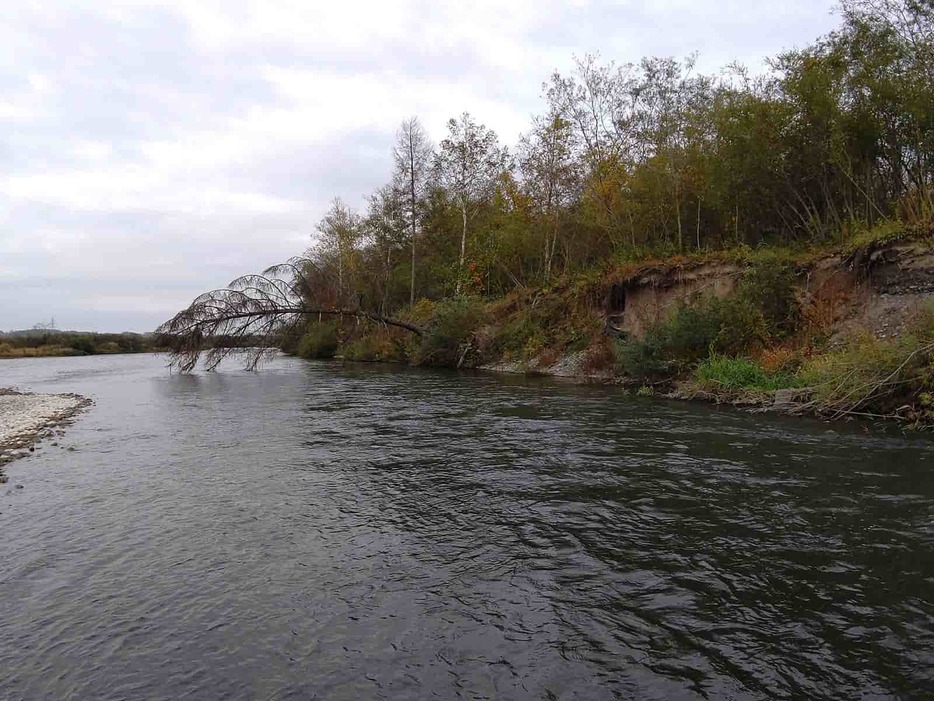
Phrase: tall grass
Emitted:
{"points": [[893, 376], [720, 371]]}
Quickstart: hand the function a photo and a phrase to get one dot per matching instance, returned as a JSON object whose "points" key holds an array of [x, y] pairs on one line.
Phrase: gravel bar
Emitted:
{"points": [[26, 418]]}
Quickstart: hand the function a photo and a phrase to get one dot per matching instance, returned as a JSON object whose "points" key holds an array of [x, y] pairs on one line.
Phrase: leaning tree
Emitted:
{"points": [[252, 315]]}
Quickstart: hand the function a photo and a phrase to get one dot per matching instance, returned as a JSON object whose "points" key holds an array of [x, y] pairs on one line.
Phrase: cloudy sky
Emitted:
{"points": [[152, 150]]}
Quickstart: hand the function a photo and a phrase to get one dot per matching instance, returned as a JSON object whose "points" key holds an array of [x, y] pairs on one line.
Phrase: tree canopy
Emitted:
{"points": [[628, 160]]}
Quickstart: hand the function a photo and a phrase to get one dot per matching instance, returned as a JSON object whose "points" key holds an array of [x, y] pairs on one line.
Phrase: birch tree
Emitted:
{"points": [[551, 174], [469, 165], [412, 156], [339, 235]]}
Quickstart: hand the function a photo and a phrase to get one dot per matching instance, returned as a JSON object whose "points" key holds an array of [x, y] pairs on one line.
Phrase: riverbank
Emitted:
{"points": [[47, 343], [27, 418], [845, 331]]}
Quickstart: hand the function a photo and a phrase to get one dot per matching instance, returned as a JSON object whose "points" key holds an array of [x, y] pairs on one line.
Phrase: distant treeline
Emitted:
{"points": [[47, 343]]}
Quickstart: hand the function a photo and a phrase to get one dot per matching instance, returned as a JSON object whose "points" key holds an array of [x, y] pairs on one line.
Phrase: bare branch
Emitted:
{"points": [[251, 317]]}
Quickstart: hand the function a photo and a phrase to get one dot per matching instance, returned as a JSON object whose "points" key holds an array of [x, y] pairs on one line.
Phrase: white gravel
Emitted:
{"points": [[24, 415]]}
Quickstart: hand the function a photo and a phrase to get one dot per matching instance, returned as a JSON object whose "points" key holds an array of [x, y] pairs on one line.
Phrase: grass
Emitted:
{"points": [[7, 351], [720, 371], [886, 377], [864, 240]]}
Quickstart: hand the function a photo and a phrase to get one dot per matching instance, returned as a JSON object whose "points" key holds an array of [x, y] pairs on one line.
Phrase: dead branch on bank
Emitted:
{"points": [[252, 316]]}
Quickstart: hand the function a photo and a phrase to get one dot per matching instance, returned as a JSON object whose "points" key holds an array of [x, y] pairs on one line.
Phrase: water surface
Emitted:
{"points": [[353, 532]]}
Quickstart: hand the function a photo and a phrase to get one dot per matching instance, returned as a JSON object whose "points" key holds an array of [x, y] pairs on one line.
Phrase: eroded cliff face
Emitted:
{"points": [[875, 292], [636, 304]]}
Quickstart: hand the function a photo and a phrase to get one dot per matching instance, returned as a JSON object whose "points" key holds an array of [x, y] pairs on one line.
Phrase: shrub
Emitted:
{"points": [[373, 344], [446, 341], [740, 373], [771, 288], [763, 309], [319, 341], [862, 240], [521, 337], [782, 359], [728, 326], [420, 313], [878, 376], [84, 345]]}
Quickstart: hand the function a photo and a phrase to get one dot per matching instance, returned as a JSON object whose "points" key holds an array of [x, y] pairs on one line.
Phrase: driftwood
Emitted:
{"points": [[252, 316]]}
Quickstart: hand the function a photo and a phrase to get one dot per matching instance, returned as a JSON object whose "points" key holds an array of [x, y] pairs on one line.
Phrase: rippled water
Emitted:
{"points": [[319, 531]]}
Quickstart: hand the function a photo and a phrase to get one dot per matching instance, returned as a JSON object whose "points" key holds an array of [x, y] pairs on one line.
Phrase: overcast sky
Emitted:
{"points": [[153, 150]]}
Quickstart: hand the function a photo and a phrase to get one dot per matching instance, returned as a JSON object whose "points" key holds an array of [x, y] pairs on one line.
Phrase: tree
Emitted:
{"points": [[253, 315], [412, 156], [384, 228], [597, 100], [551, 175], [339, 235], [469, 166]]}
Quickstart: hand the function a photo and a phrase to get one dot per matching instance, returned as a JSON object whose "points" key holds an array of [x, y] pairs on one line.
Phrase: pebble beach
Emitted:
{"points": [[26, 418]]}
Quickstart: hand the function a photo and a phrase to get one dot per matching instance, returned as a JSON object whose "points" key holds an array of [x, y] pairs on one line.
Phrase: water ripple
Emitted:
{"points": [[319, 531]]}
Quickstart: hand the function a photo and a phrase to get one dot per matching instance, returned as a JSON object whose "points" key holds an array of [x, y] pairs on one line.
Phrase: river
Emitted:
{"points": [[359, 532]]}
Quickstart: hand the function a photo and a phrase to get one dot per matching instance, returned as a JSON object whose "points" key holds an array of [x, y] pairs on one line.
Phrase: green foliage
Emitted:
{"points": [[721, 371], [450, 331], [862, 240], [730, 326], [835, 145], [551, 321], [763, 309], [373, 345], [771, 288], [319, 341], [520, 338]]}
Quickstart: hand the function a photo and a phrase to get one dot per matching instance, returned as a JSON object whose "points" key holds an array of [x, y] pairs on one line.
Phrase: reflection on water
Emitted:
{"points": [[369, 532]]}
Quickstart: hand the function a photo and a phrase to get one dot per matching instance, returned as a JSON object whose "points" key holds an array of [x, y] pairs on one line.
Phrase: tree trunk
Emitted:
{"points": [[697, 232], [463, 258], [678, 214], [412, 218]]}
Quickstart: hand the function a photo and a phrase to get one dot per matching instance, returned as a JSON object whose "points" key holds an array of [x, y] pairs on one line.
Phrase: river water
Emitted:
{"points": [[354, 532]]}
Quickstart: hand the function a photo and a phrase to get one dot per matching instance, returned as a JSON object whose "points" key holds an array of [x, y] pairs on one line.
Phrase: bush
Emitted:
{"points": [[783, 359], [763, 309], [519, 338], [373, 345], [319, 341], [771, 288], [450, 332], [84, 345], [727, 326], [739, 373], [862, 240]]}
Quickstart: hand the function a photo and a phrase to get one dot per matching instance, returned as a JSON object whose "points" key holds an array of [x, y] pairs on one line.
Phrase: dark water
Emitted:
{"points": [[314, 531]]}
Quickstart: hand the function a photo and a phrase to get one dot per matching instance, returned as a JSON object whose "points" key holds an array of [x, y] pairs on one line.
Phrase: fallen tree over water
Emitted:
{"points": [[254, 313]]}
